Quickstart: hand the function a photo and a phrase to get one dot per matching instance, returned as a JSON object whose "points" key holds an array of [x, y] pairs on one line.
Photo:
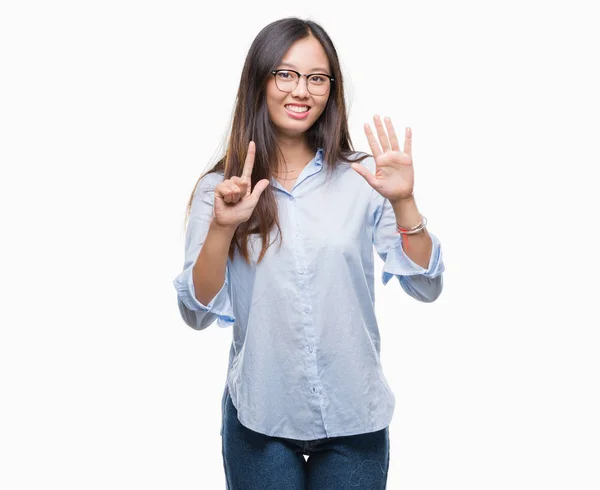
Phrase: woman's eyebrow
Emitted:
{"points": [[314, 70]]}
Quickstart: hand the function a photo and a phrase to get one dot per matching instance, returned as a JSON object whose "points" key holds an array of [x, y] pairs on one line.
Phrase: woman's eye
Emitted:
{"points": [[284, 74], [317, 79]]}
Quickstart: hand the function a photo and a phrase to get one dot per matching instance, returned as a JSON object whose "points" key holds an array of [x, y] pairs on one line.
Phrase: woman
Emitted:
{"points": [[304, 374]]}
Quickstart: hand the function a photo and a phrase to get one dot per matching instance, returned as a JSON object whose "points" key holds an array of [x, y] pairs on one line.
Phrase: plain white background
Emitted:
{"points": [[109, 113]]}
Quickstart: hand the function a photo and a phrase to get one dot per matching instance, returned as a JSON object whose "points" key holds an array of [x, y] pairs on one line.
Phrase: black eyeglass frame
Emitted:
{"points": [[275, 72]]}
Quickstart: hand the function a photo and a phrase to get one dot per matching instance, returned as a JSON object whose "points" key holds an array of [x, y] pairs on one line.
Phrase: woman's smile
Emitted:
{"points": [[297, 111]]}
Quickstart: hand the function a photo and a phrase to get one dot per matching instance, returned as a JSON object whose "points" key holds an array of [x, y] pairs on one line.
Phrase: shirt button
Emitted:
{"points": [[301, 271], [314, 390], [310, 349], [291, 198], [297, 234], [307, 310]]}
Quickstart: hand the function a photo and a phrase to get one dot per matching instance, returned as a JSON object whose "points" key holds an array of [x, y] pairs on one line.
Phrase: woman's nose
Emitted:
{"points": [[301, 89]]}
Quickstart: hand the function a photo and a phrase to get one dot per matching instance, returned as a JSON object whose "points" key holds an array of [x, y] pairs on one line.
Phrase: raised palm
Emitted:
{"points": [[394, 174]]}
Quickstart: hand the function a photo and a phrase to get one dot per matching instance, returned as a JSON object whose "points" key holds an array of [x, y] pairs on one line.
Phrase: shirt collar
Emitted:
{"points": [[319, 157]]}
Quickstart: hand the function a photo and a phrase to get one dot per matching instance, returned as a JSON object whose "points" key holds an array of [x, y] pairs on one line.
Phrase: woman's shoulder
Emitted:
{"points": [[206, 184], [210, 180]]}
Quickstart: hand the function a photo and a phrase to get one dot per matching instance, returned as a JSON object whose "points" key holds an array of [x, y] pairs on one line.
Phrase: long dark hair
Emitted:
{"points": [[251, 122]]}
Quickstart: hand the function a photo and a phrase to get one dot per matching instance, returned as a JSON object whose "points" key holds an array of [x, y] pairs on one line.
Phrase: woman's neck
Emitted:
{"points": [[295, 154]]}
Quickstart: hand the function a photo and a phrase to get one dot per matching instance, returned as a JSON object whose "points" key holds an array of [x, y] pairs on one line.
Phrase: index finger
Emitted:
{"points": [[408, 142], [249, 163]]}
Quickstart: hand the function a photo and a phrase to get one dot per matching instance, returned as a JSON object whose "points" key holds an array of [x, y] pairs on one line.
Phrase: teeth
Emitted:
{"points": [[295, 108]]}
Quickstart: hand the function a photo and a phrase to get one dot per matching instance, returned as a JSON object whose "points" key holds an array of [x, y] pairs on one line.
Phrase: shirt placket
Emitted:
{"points": [[305, 295]]}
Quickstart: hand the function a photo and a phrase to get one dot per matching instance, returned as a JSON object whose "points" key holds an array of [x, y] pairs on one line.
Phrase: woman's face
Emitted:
{"points": [[305, 56]]}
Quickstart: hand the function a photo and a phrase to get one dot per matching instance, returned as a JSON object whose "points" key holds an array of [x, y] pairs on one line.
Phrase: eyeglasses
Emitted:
{"points": [[316, 83]]}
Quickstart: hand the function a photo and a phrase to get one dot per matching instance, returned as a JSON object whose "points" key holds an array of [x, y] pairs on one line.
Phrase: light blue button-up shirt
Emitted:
{"points": [[304, 361]]}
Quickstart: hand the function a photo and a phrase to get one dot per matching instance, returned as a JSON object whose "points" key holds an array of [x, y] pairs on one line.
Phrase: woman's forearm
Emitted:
{"points": [[419, 244], [209, 271]]}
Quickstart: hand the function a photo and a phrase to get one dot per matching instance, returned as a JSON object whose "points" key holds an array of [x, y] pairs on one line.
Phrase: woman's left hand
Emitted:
{"points": [[394, 176]]}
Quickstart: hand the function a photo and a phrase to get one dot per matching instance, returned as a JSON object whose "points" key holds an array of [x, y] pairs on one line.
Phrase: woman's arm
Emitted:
{"points": [[202, 285], [417, 246], [423, 281], [209, 270]]}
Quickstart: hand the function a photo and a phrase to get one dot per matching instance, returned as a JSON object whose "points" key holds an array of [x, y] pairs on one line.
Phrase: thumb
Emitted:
{"points": [[259, 188], [363, 172]]}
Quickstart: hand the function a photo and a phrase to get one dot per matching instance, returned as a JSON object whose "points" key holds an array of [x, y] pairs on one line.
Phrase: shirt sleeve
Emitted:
{"points": [[422, 284], [194, 313]]}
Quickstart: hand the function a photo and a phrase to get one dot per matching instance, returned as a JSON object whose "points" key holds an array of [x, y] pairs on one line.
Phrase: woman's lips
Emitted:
{"points": [[297, 115]]}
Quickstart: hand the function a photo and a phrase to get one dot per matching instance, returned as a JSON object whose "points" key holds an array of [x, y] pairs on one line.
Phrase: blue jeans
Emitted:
{"points": [[254, 461]]}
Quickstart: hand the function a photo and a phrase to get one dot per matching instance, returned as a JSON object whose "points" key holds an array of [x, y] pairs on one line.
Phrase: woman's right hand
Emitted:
{"points": [[234, 202]]}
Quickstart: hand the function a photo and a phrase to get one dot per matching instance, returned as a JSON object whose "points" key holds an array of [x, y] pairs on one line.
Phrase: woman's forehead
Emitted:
{"points": [[306, 54]]}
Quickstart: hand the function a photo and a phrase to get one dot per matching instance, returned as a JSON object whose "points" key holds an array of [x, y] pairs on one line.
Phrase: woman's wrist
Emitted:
{"points": [[407, 214], [225, 230]]}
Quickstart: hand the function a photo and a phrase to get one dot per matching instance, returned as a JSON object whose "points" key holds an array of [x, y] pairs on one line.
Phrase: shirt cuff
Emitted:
{"points": [[397, 263], [220, 305]]}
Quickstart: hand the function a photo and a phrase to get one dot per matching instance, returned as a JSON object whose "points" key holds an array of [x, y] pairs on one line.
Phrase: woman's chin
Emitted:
{"points": [[293, 130]]}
